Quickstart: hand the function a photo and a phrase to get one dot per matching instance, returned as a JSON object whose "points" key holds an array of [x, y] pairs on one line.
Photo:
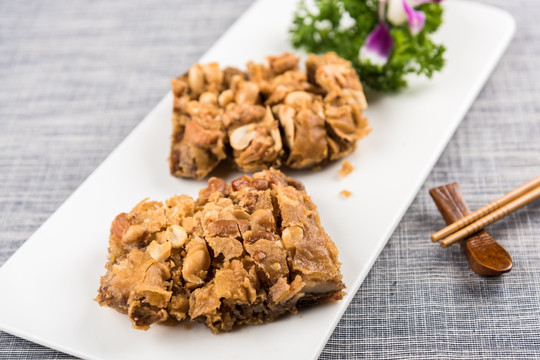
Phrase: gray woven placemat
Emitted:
{"points": [[77, 76]]}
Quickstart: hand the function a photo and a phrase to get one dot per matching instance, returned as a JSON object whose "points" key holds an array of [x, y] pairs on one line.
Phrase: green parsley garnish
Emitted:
{"points": [[344, 25]]}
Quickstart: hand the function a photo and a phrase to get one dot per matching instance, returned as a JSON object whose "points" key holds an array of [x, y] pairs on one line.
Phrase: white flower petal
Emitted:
{"points": [[395, 12]]}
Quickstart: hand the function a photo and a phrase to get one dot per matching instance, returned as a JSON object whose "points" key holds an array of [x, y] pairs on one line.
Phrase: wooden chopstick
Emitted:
{"points": [[485, 210], [492, 217]]}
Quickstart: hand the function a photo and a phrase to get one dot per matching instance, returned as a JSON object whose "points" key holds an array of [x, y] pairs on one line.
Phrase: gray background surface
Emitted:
{"points": [[77, 76]]}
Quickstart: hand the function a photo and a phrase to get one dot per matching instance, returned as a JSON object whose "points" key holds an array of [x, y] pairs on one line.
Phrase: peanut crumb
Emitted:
{"points": [[346, 169], [345, 193]]}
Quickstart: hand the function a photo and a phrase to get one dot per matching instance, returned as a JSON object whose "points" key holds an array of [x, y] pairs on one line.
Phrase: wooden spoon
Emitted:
{"points": [[485, 255]]}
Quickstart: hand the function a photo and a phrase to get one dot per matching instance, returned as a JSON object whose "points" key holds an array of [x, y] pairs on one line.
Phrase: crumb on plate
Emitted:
{"points": [[346, 168]]}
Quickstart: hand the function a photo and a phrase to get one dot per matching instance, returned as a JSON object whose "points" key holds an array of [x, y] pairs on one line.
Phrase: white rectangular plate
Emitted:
{"points": [[48, 285]]}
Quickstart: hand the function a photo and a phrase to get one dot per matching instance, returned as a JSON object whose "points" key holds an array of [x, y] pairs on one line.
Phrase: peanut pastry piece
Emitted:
{"points": [[270, 115], [242, 253], [346, 169]]}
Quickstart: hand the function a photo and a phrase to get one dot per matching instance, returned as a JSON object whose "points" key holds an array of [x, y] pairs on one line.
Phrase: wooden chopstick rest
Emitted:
{"points": [[485, 256], [485, 210]]}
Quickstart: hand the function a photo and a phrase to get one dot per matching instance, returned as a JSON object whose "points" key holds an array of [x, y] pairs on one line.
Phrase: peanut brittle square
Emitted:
{"points": [[242, 253]]}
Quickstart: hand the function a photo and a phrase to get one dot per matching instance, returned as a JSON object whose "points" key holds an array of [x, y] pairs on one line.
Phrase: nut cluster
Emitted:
{"points": [[269, 115], [242, 253]]}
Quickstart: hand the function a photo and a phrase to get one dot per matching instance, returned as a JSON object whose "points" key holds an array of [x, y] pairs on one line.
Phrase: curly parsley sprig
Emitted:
{"points": [[384, 39]]}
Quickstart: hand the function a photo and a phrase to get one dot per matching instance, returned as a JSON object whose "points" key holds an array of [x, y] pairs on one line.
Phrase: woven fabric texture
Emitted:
{"points": [[77, 76]]}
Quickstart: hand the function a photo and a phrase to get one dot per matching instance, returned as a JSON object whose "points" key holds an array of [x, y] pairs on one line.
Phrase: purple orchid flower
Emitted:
{"points": [[400, 11], [416, 18], [378, 45]]}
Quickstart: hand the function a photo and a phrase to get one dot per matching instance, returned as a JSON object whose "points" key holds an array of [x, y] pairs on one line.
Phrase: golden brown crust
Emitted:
{"points": [[273, 114], [242, 253]]}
